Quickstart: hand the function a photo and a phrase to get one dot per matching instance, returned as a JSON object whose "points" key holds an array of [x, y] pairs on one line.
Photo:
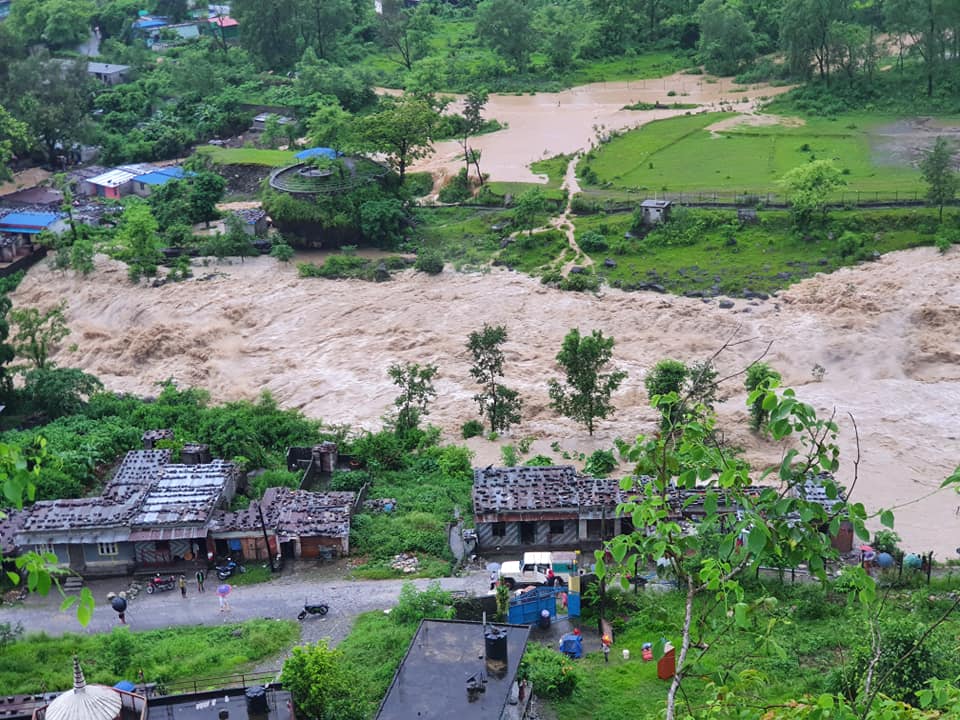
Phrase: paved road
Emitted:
{"points": [[281, 598]]}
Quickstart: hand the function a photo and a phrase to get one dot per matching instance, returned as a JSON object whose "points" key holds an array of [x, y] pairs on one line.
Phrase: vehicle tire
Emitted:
{"points": [[150, 589], [323, 610], [302, 615], [509, 582]]}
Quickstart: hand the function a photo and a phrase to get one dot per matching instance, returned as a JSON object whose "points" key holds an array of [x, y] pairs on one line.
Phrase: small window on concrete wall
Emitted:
{"points": [[106, 549], [528, 533], [44, 549], [556, 527], [498, 529], [593, 528]]}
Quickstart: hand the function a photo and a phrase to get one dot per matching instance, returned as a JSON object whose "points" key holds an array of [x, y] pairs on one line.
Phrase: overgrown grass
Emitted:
{"points": [[463, 236], [531, 253], [729, 259], [40, 663], [681, 154], [247, 156], [254, 575]]}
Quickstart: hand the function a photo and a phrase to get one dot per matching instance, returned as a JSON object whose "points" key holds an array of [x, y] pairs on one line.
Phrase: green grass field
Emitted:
{"points": [[760, 258], [680, 154], [247, 156]]}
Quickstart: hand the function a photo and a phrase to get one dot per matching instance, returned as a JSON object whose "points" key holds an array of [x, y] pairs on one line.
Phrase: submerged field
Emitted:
{"points": [[749, 154]]}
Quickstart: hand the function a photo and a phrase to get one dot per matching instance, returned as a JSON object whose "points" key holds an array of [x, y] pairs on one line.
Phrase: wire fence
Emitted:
{"points": [[748, 199]]}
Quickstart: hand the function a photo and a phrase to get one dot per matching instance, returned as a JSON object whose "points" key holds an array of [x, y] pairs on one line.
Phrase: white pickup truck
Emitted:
{"points": [[535, 566]]}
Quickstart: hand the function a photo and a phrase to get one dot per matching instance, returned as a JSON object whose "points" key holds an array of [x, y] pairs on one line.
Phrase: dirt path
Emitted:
{"points": [[565, 221], [886, 332]]}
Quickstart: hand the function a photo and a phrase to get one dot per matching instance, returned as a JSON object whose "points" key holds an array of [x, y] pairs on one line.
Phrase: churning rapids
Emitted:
{"points": [[887, 334]]}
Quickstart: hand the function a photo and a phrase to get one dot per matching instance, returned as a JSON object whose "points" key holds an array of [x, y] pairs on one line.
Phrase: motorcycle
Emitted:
{"points": [[313, 609], [161, 583], [231, 568]]}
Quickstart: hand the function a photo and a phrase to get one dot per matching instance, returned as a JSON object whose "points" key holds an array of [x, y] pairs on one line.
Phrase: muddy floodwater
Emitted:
{"points": [[541, 125], [887, 333]]}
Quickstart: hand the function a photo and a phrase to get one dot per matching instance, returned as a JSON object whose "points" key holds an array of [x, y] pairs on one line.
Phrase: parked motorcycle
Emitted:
{"points": [[230, 569], [313, 609], [161, 583]]}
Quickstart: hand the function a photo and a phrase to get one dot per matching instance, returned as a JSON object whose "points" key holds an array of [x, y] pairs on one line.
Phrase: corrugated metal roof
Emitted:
{"points": [[28, 220], [112, 178], [177, 533], [106, 68]]}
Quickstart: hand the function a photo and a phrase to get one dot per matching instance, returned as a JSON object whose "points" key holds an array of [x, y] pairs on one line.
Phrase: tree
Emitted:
{"points": [[506, 27], [206, 190], [760, 376], [57, 392], [808, 189], [7, 351], [805, 34], [587, 395], [330, 126], [560, 29], [14, 138], [235, 242], [383, 221], [53, 99], [471, 123], [937, 170], [666, 380], [38, 334], [416, 391], [321, 683], [928, 25], [529, 205], [500, 405], [402, 131], [406, 30], [55, 23], [726, 38], [268, 31], [740, 528], [136, 240]]}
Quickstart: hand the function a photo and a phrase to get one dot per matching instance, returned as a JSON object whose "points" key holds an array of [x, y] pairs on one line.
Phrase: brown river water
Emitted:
{"points": [[887, 334]]}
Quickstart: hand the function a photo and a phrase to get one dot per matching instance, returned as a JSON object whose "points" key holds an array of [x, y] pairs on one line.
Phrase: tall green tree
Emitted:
{"points": [[808, 189], [415, 382], [560, 29], [498, 403], [206, 190], [14, 138], [470, 123], [931, 25], [806, 34], [53, 99], [39, 333], [666, 380], [507, 27], [586, 395], [136, 240], [269, 31], [55, 23], [726, 38], [406, 31], [528, 208], [937, 168], [402, 131]]}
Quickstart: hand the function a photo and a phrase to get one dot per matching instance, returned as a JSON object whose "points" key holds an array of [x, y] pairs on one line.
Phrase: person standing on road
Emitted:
{"points": [[199, 580], [183, 586]]}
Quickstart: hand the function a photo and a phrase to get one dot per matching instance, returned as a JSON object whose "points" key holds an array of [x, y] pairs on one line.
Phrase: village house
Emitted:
{"points": [[295, 523], [152, 513], [144, 184], [108, 73], [113, 184], [458, 669], [545, 508]]}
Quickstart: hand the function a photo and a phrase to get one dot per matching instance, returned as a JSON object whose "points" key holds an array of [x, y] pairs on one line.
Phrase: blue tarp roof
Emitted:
{"points": [[27, 222], [161, 176], [314, 152], [148, 22], [126, 686]]}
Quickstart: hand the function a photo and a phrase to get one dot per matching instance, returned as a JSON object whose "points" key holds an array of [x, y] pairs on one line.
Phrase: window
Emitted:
{"points": [[107, 548], [528, 533], [498, 529], [593, 529], [44, 548], [556, 527]]}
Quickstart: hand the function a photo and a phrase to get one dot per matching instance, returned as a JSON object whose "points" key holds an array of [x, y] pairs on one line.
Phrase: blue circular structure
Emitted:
{"points": [[912, 561], [885, 560]]}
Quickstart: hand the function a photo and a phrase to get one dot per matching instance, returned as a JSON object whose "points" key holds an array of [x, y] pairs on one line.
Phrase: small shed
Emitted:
{"points": [[108, 73], [255, 221], [655, 212], [225, 27], [259, 123], [112, 184], [747, 216]]}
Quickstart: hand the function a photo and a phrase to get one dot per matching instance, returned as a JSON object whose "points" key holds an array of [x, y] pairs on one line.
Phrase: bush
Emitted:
{"points": [[539, 461], [282, 252], [430, 262], [274, 478], [593, 242], [886, 541], [413, 606], [471, 428], [350, 480], [380, 451], [601, 463], [552, 674], [457, 189], [581, 282]]}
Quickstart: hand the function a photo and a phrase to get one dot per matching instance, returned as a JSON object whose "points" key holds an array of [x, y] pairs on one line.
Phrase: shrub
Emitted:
{"points": [[282, 252], [593, 242], [581, 282], [539, 461], [552, 674], [601, 463], [381, 451], [471, 428], [509, 457], [886, 541], [457, 189], [274, 478], [413, 606], [430, 262]]}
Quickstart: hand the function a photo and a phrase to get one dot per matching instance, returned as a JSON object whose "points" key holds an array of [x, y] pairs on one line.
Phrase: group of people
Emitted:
{"points": [[182, 583]]}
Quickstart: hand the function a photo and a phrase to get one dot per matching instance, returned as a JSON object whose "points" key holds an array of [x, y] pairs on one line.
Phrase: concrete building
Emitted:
{"points": [[108, 73], [457, 669], [112, 184], [143, 185], [544, 508], [655, 212]]}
